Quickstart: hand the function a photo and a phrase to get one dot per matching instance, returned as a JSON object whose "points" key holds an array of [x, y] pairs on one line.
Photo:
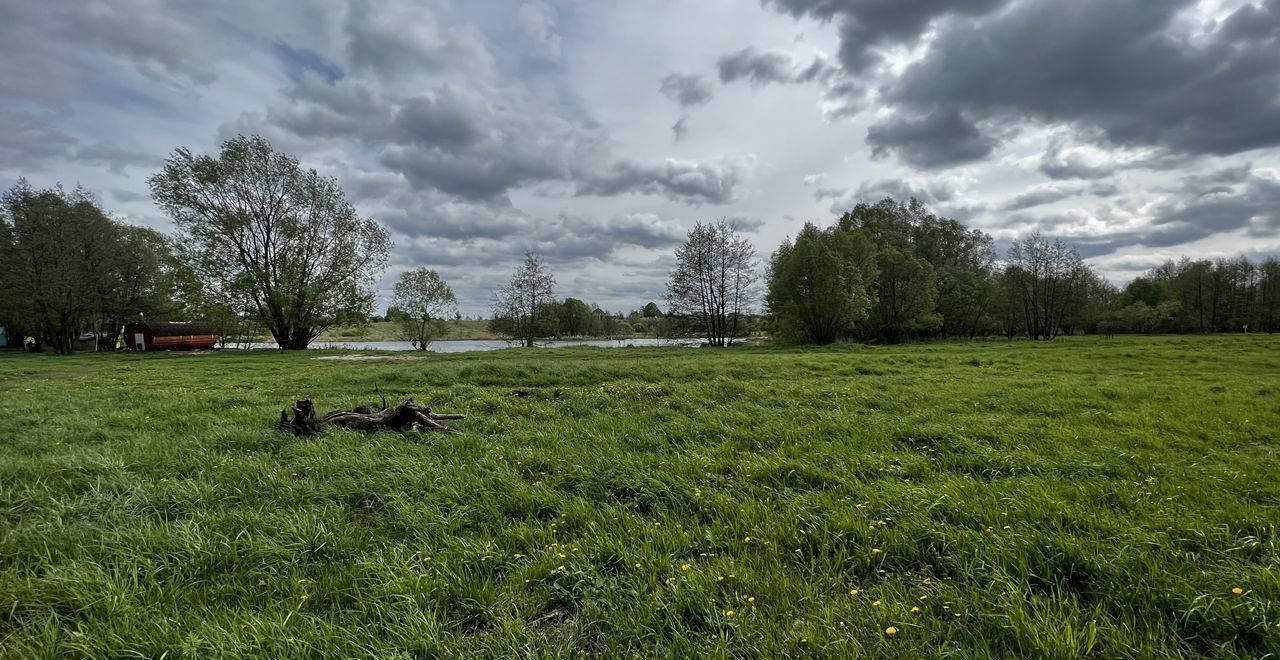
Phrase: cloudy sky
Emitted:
{"points": [[597, 131]]}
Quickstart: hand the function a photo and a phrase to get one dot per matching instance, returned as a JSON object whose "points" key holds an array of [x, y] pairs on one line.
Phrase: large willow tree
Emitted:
{"points": [[256, 227]]}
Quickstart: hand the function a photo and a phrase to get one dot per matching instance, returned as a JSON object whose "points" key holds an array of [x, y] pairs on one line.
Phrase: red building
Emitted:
{"points": [[169, 336]]}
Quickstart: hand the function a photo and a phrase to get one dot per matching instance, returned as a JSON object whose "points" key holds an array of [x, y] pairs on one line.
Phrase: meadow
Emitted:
{"points": [[1086, 497]]}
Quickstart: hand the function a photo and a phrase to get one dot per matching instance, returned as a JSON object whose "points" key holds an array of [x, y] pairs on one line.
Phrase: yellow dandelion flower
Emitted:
{"points": [[685, 567], [1238, 591], [875, 604], [751, 599], [875, 551], [915, 610], [560, 567], [890, 631], [728, 612], [637, 565], [746, 539], [853, 592], [924, 597]]}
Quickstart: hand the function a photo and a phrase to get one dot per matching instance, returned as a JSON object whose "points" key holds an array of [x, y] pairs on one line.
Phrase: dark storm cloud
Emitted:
{"points": [[756, 66], [481, 149], [941, 138], [1208, 205], [389, 40], [680, 128], [694, 183], [866, 25], [1120, 68], [315, 108], [476, 174], [774, 66], [1056, 163], [1218, 205], [502, 228], [480, 143], [745, 224], [569, 238], [157, 41], [933, 193], [686, 89], [1049, 194], [448, 121], [1137, 73]]}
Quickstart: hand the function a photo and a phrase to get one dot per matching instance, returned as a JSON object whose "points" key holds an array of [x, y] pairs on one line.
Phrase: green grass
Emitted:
{"points": [[1085, 497]]}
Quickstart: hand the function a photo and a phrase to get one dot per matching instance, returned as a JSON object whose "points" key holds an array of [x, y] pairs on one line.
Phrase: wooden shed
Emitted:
{"points": [[169, 336]]}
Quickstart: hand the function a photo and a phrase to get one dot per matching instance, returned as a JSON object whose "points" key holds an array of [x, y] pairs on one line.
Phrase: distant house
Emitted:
{"points": [[169, 336]]}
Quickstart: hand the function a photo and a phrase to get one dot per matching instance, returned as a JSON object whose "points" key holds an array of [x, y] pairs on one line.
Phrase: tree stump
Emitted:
{"points": [[404, 417]]}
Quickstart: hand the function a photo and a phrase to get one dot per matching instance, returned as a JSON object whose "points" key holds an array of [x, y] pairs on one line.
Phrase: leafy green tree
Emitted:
{"points": [[919, 250], [425, 300], [907, 298], [255, 226], [59, 246], [575, 318], [140, 279], [816, 293], [966, 300], [651, 311], [1268, 310]]}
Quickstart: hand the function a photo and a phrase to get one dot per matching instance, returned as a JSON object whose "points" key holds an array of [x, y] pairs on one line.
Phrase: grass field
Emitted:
{"points": [[1085, 497]]}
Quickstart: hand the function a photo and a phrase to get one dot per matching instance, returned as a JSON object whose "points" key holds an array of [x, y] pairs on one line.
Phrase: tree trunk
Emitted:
{"points": [[404, 417]]}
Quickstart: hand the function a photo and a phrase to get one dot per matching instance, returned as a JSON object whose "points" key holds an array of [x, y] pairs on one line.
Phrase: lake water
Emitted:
{"points": [[467, 345]]}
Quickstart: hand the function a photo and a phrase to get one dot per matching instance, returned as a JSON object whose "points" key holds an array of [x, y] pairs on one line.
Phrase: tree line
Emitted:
{"points": [[893, 271], [263, 245]]}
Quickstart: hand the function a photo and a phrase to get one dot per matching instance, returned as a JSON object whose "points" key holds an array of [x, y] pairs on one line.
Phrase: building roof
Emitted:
{"points": [[176, 328]]}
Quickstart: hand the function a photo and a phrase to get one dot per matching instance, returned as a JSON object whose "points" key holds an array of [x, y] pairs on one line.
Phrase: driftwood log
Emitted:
{"points": [[404, 417]]}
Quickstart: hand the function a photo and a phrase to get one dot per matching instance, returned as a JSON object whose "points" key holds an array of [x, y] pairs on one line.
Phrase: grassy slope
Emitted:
{"points": [[1048, 500]]}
